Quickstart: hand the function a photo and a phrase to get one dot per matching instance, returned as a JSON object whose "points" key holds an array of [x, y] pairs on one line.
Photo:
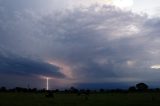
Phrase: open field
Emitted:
{"points": [[108, 99]]}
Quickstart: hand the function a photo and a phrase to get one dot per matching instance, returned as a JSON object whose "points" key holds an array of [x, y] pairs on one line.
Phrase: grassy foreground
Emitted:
{"points": [[108, 99]]}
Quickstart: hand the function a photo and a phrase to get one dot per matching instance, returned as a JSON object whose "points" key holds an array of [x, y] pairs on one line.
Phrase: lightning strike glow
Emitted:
{"points": [[47, 85]]}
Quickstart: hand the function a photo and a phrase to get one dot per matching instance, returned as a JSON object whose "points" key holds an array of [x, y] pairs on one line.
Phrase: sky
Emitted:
{"points": [[86, 44]]}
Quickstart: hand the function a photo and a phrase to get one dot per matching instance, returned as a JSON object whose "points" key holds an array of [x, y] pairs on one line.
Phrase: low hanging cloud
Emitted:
{"points": [[22, 66], [98, 44]]}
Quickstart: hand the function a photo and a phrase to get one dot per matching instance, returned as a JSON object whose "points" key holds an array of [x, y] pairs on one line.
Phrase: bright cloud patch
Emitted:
{"points": [[123, 3], [155, 67]]}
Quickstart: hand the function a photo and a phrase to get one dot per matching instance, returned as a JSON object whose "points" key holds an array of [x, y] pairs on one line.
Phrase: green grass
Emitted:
{"points": [[108, 99]]}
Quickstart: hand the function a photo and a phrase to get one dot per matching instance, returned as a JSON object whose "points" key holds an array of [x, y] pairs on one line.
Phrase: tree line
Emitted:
{"points": [[140, 87]]}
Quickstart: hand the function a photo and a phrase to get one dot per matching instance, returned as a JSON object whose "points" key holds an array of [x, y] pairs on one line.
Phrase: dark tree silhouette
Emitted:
{"points": [[3, 89], [101, 90], [57, 90], [132, 88], [142, 86], [73, 90]]}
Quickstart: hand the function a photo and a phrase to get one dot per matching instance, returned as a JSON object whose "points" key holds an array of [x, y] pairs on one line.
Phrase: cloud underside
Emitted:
{"points": [[98, 43], [22, 66]]}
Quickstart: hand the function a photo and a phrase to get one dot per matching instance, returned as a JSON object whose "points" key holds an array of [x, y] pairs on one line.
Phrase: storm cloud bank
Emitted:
{"points": [[96, 44]]}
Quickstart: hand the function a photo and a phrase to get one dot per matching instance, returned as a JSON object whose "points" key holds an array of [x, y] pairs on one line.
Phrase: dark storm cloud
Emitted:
{"points": [[99, 43], [17, 65]]}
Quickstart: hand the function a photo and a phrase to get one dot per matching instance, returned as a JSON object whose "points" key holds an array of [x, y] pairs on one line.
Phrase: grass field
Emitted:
{"points": [[108, 99]]}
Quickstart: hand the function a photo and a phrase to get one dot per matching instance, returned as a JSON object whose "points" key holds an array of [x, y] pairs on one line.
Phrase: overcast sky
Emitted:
{"points": [[109, 43]]}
